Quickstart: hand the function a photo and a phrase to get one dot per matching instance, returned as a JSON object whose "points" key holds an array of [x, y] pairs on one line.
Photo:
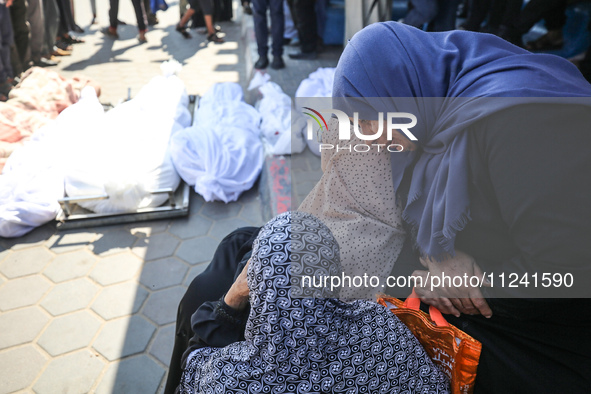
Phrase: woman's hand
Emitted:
{"points": [[237, 296], [446, 297]]}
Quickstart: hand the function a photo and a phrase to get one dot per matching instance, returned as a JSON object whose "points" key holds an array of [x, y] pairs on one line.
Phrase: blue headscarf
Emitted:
{"points": [[394, 60]]}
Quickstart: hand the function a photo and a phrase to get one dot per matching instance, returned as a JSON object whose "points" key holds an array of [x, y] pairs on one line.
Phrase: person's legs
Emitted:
{"points": [[140, 14], [207, 10], [423, 11], [535, 10], [210, 285], [6, 39], [18, 15], [51, 12], [261, 31], [36, 19], [113, 13], [307, 26], [277, 30], [445, 19]]}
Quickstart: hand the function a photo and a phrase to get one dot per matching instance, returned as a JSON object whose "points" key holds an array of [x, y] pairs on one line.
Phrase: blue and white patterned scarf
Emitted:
{"points": [[310, 345]]}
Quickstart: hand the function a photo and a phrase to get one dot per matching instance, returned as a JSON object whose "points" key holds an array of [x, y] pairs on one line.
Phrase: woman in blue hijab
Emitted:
{"points": [[497, 182]]}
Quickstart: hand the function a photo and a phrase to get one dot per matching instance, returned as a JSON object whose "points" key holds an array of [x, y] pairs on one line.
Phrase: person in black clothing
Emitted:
{"points": [[305, 20], [204, 302], [261, 32]]}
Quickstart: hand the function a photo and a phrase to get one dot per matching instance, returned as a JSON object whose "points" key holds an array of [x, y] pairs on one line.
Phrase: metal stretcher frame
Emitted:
{"points": [[177, 205]]}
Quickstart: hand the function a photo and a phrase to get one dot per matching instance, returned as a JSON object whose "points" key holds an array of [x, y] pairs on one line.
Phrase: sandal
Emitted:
{"points": [[213, 37], [183, 31], [549, 41]]}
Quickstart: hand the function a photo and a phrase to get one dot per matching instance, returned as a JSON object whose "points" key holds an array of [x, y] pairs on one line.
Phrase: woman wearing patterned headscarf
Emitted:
{"points": [[300, 338]]}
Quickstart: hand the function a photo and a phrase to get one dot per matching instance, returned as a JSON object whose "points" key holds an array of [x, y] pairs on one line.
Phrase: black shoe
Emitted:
{"points": [[43, 62], [152, 20], [246, 8], [277, 63], [213, 37], [303, 55], [183, 31], [262, 63]]}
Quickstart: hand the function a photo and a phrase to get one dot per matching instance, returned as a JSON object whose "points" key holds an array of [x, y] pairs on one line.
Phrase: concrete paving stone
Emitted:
{"points": [[162, 305], [66, 242], [156, 246], [190, 227], [251, 212], [20, 292], [3, 253], [194, 271], [72, 373], [70, 266], [116, 269], [25, 262], [163, 273], [123, 337], [134, 375], [218, 210], [2, 280], [250, 195], [21, 326], [196, 201], [67, 333], [113, 241], [36, 237], [119, 300], [223, 227], [69, 296], [146, 229], [21, 365], [163, 343], [197, 250]]}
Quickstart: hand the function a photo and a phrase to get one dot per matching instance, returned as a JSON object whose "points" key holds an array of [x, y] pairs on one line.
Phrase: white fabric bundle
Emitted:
{"points": [[221, 155], [32, 181], [318, 84], [281, 126], [124, 153]]}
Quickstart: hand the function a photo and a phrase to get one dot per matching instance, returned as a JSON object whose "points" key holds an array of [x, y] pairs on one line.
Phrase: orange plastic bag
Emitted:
{"points": [[454, 351]]}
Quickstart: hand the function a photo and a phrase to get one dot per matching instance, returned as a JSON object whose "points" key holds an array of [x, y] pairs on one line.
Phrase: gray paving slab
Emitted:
{"points": [[19, 367], [216, 210], [156, 246], [146, 229], [69, 296], [113, 241], [161, 306], [191, 226], [162, 345], [163, 273], [67, 333], [21, 292], [134, 375], [21, 326], [197, 250], [70, 266], [113, 342], [70, 241], [73, 373], [25, 262], [119, 300], [116, 269], [223, 227]]}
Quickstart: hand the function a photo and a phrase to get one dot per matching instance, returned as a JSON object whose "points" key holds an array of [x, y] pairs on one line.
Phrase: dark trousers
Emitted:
{"points": [[6, 39], [305, 11], [18, 15], [552, 11], [52, 21], [138, 7], [66, 17], [210, 285], [440, 14], [261, 31]]}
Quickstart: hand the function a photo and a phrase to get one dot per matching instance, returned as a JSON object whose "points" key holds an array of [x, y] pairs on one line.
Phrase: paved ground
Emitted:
{"points": [[93, 310]]}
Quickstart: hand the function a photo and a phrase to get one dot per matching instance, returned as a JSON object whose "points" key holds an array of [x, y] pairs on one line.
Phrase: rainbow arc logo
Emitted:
{"points": [[316, 118]]}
